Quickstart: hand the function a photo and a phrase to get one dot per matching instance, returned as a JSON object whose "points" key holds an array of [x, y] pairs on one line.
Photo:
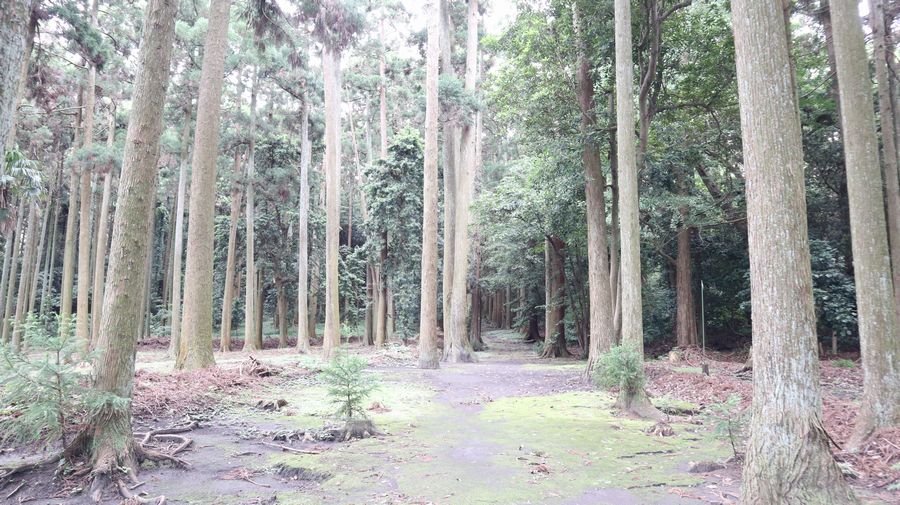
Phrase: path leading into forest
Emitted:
{"points": [[509, 429]]}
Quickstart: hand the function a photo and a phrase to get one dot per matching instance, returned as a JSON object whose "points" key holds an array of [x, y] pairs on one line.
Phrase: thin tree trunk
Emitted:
{"points": [[102, 238], [788, 460], [230, 264], [250, 308], [111, 442], [632, 322], [258, 304], [82, 315], [28, 263], [47, 281], [685, 311], [331, 65], [282, 312], [196, 327], [429, 356], [450, 168], [10, 262], [875, 302], [178, 240], [13, 272], [303, 334], [38, 254], [555, 334], [68, 266]]}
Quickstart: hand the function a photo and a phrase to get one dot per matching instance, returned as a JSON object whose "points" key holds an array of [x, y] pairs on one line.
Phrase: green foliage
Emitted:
{"points": [[843, 363], [349, 385], [20, 177], [834, 292], [621, 367], [44, 392], [729, 421]]}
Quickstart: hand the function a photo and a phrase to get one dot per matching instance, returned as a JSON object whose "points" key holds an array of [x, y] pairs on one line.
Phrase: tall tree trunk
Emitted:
{"points": [[282, 311], [381, 309], [871, 260], [250, 308], [632, 322], [178, 239], [331, 67], [28, 262], [68, 266], [13, 272], [599, 288], [102, 237], [10, 263], [555, 331], [86, 199], [428, 351], [258, 304], [111, 442], [196, 327], [303, 335], [230, 264], [888, 138], [451, 165], [475, 338], [14, 19], [685, 311], [38, 258], [49, 266], [456, 343], [788, 460]]}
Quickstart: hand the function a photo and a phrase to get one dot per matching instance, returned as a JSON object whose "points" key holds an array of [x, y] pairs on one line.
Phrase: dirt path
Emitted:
{"points": [[510, 429]]}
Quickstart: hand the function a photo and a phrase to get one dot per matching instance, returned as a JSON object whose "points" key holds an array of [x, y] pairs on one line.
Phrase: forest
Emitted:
{"points": [[262, 252]]}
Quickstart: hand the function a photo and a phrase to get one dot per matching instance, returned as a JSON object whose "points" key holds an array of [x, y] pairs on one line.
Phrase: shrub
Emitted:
{"points": [[621, 367], [349, 385], [729, 422], [843, 363], [45, 390]]}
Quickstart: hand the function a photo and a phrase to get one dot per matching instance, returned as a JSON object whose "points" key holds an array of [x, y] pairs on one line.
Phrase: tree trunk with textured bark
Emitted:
{"points": [[101, 246], [555, 282], [450, 168], [178, 238], [108, 436], [28, 263], [685, 310], [230, 262], [13, 272], [303, 334], [14, 19], [788, 459], [196, 327], [331, 67], [250, 308], [632, 318], [875, 302], [428, 352]]}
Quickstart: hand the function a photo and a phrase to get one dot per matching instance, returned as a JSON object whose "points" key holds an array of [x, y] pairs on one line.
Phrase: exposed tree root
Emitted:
{"points": [[357, 428], [459, 354], [131, 498], [556, 350], [637, 403], [7, 472]]}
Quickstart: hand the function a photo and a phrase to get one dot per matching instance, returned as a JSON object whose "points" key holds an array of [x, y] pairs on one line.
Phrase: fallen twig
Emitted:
{"points": [[292, 449], [16, 490], [123, 489]]}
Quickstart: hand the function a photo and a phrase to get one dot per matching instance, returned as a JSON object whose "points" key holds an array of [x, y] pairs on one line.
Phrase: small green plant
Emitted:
{"points": [[729, 421], [349, 385], [621, 367], [45, 390], [843, 363]]}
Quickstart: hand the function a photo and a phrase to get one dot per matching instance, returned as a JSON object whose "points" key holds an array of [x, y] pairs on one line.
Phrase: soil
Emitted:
{"points": [[510, 428]]}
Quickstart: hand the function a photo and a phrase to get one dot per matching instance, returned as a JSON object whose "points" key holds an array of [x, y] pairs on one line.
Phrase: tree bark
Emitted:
{"points": [[331, 67], [429, 356], [250, 308], [451, 162], [788, 460], [13, 272], [178, 238], [68, 266], [555, 326], [875, 302], [632, 317], [28, 263], [888, 138], [685, 311], [111, 442], [13, 27], [457, 347], [599, 288], [102, 238], [230, 264], [196, 327], [303, 335]]}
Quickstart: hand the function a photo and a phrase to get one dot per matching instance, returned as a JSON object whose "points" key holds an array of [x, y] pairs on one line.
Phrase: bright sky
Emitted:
{"points": [[497, 17]]}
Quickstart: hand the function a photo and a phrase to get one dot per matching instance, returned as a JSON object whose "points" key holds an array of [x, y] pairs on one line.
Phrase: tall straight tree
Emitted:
{"points": [[250, 340], [602, 337], [428, 352], [108, 436], [196, 326], [788, 460], [303, 230], [888, 138], [178, 240], [871, 260], [457, 346], [331, 66], [13, 28], [451, 162], [86, 198], [68, 264], [102, 234], [630, 229]]}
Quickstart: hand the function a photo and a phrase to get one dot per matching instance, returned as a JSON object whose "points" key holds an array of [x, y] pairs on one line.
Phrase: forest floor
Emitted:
{"points": [[509, 429]]}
